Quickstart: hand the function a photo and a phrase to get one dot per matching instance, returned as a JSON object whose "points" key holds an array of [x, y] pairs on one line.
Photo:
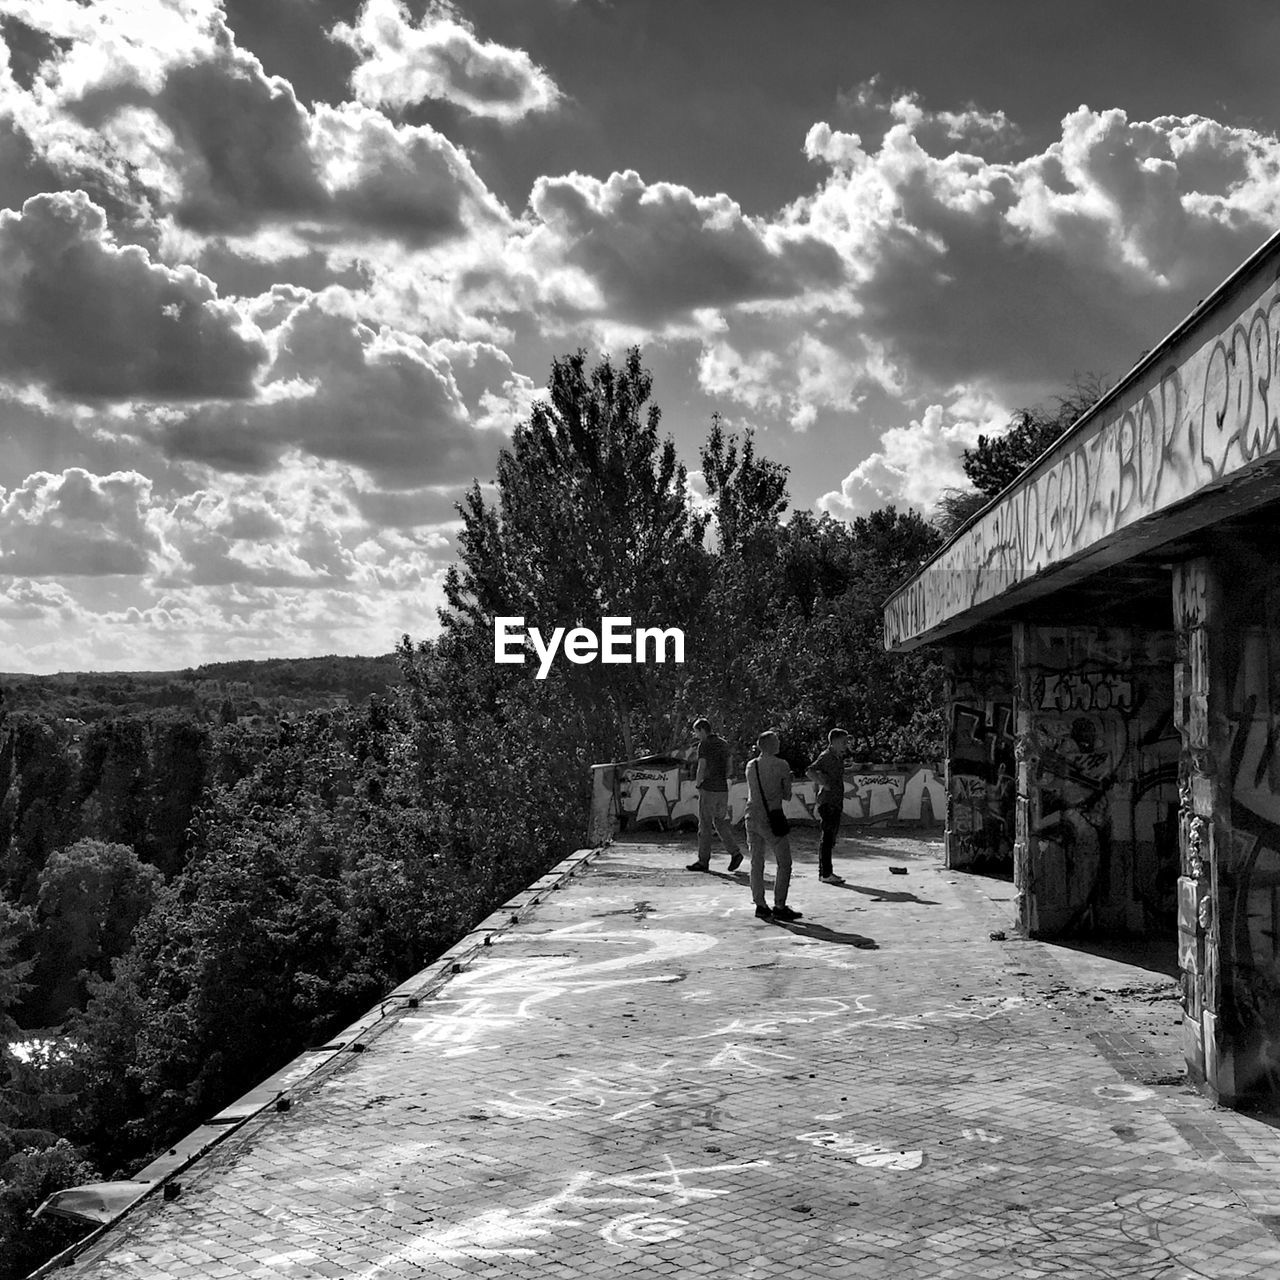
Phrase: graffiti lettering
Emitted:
{"points": [[1208, 414], [636, 794], [1084, 691]]}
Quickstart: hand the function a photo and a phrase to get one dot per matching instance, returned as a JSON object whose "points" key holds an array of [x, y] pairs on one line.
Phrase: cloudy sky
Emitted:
{"points": [[277, 277]]}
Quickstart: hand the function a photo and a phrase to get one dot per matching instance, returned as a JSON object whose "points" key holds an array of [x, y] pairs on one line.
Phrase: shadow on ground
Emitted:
{"points": [[1157, 954], [820, 933], [887, 895]]}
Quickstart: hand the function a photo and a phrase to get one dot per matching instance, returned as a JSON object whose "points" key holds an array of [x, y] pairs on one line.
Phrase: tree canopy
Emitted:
{"points": [[995, 462]]}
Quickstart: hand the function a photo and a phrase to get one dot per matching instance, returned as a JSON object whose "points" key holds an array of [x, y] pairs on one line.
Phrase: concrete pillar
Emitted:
{"points": [[1096, 748], [603, 823], [980, 764], [1227, 677]]}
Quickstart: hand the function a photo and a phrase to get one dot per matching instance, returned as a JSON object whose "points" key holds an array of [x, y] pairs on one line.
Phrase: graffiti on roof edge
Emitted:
{"points": [[1158, 445]]}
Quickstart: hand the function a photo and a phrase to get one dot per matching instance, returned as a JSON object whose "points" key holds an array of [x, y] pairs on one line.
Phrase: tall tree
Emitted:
{"points": [[592, 519], [749, 493]]}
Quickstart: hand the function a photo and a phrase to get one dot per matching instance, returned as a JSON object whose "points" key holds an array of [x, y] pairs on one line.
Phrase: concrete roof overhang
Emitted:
{"points": [[1188, 439]]}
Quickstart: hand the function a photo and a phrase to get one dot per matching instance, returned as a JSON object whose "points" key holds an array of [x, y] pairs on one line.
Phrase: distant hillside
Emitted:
{"points": [[226, 690]]}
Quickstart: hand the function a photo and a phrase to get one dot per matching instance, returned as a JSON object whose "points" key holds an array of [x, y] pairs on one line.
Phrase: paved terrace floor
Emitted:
{"points": [[641, 1079]]}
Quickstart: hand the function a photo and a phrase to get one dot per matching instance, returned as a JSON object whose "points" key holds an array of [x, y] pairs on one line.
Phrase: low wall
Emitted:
{"points": [[633, 794]]}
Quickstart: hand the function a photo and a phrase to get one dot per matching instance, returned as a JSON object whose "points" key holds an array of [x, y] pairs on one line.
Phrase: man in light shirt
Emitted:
{"points": [[768, 785]]}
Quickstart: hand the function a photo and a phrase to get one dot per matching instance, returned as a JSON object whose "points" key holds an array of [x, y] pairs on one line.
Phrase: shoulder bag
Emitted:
{"points": [[778, 822]]}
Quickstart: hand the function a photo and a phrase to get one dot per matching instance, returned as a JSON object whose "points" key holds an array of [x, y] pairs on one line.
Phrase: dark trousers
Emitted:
{"points": [[830, 815]]}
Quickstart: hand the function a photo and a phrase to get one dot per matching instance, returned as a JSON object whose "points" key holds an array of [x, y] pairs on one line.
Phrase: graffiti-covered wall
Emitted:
{"points": [[1096, 846], [1229, 893], [633, 795], [981, 774]]}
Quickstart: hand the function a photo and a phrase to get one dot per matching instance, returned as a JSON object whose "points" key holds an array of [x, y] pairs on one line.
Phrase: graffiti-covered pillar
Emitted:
{"points": [[1095, 848], [1228, 675], [980, 779], [1205, 820]]}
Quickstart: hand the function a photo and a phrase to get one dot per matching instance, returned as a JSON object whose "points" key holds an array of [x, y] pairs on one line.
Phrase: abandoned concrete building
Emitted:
{"points": [[1110, 625]]}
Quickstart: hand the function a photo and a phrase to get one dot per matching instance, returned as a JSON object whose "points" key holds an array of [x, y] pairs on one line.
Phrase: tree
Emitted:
{"points": [[592, 519], [996, 461], [750, 493], [33, 1161], [36, 801], [956, 506], [179, 759], [92, 896]]}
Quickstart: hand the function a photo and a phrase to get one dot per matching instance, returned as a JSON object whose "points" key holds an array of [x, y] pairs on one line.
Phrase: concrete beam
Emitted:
{"points": [[1188, 439]]}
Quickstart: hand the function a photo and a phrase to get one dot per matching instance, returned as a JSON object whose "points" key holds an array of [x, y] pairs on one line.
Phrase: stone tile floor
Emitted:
{"points": [[641, 1079]]}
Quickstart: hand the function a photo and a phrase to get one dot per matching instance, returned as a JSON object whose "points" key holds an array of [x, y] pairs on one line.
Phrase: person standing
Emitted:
{"points": [[827, 774], [712, 782], [768, 785]]}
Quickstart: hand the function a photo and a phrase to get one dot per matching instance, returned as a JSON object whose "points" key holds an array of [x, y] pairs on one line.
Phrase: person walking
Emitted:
{"points": [[768, 785], [712, 782], [827, 774]]}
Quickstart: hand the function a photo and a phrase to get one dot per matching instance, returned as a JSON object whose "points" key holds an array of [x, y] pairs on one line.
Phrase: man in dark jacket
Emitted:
{"points": [[827, 774], [712, 781]]}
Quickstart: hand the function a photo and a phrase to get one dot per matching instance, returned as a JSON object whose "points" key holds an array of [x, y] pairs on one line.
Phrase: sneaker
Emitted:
{"points": [[763, 912], [698, 866], [785, 913], [736, 861], [832, 879]]}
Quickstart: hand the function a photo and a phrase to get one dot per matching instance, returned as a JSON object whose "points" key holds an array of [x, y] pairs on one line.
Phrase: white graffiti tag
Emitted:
{"points": [[810, 1009], [500, 993], [648, 1198], [869, 1154], [981, 1010]]}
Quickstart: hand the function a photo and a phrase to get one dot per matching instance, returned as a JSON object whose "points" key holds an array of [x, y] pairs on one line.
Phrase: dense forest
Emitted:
{"points": [[223, 691], [202, 873]]}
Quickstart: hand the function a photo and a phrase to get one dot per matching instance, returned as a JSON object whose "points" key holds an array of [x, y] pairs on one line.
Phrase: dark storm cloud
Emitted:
{"points": [[93, 321]]}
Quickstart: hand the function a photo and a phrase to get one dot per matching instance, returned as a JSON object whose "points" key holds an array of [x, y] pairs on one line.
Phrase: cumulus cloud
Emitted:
{"points": [[338, 389], [28, 600], [441, 58], [155, 109], [912, 467], [873, 111], [90, 319], [305, 445], [646, 252], [405, 181], [966, 267], [76, 523]]}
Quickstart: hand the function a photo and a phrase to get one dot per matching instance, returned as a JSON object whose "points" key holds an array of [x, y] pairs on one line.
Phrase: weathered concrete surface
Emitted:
{"points": [[643, 1079], [1196, 419], [1097, 751]]}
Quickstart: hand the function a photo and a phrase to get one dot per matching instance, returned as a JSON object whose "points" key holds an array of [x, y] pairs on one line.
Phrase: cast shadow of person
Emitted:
{"points": [[820, 933], [887, 895]]}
